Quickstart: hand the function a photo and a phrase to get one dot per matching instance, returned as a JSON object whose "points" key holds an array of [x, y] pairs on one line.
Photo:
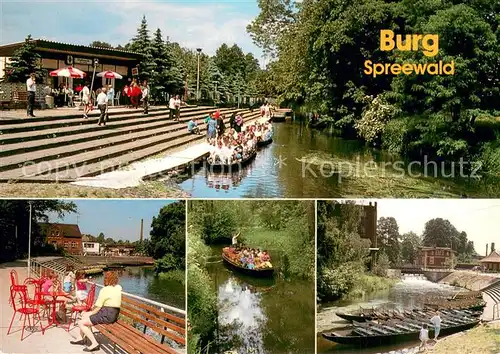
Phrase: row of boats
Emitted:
{"points": [[373, 327]]}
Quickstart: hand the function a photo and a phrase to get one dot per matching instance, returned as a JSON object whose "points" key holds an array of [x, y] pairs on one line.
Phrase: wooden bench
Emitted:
{"points": [[20, 98], [154, 326]]}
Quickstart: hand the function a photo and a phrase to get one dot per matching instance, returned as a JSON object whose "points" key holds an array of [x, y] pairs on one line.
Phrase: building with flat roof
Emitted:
{"points": [[56, 55]]}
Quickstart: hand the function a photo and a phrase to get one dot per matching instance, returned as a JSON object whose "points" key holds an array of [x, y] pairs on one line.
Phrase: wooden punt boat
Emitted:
{"points": [[464, 304], [319, 124], [263, 143], [266, 272], [231, 167], [467, 295], [371, 334], [385, 315], [278, 117]]}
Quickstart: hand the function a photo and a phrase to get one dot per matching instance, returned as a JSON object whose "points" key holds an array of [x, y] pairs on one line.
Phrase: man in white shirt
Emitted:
{"points": [[171, 107], [102, 104], [145, 96], [31, 88]]}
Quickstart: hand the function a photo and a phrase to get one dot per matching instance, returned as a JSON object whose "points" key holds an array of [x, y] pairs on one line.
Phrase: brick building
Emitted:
{"points": [[435, 257], [67, 236]]}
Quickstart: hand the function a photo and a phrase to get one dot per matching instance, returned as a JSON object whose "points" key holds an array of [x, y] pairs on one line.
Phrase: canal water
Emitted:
{"points": [[262, 315], [411, 292], [142, 281], [303, 162]]}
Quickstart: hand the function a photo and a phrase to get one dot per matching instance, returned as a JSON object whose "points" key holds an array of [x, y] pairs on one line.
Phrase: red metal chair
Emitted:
{"points": [[35, 297], [87, 306], [24, 308], [14, 284]]}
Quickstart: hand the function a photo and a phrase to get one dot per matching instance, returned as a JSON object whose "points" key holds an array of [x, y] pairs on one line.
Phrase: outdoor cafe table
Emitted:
{"points": [[52, 320]]}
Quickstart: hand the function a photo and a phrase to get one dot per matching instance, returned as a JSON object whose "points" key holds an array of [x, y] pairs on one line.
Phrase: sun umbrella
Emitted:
{"points": [[68, 72], [109, 75]]}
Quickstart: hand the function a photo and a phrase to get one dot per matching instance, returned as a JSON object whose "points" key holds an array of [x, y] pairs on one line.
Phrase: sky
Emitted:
{"points": [[194, 24], [479, 218], [118, 219]]}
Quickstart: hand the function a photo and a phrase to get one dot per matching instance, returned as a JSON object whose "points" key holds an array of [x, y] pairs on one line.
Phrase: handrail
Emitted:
{"points": [[152, 302], [36, 266]]}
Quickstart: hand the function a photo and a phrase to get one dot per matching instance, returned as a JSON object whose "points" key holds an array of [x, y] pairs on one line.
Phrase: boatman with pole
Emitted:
{"points": [[235, 239]]}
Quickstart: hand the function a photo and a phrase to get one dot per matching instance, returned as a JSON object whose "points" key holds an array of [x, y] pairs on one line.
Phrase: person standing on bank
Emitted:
{"points": [[145, 96], [436, 321], [31, 88], [102, 104]]}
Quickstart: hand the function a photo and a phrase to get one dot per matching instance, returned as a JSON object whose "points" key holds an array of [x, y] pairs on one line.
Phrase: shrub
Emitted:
{"points": [[202, 305]]}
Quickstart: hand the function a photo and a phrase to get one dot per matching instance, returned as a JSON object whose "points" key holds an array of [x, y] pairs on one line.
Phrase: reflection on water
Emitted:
{"points": [[411, 292], [262, 315], [304, 163], [241, 317], [142, 281]]}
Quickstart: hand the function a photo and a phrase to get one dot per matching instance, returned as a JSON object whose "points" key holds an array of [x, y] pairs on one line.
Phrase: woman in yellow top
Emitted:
{"points": [[106, 311]]}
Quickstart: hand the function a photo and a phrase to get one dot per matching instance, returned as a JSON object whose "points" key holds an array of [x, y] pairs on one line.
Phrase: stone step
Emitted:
{"points": [[112, 128], [40, 126], [126, 159], [5, 120], [45, 162]]}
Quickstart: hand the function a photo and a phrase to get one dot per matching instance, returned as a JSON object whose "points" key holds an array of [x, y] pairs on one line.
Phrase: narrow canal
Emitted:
{"points": [[409, 293], [262, 315], [142, 281], [303, 162]]}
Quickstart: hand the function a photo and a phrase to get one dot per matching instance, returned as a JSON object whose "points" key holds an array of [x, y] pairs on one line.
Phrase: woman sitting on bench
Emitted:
{"points": [[106, 311]]}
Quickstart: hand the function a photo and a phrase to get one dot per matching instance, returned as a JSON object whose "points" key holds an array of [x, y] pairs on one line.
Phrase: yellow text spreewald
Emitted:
{"points": [[428, 43]]}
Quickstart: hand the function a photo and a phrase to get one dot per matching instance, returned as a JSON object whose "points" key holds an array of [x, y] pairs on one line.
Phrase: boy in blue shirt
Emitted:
{"points": [[193, 127]]}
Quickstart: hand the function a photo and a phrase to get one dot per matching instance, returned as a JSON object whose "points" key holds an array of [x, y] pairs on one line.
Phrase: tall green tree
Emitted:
{"points": [[141, 43], [409, 247], [168, 237], [23, 62], [440, 232], [15, 221], [389, 239], [273, 20], [101, 238]]}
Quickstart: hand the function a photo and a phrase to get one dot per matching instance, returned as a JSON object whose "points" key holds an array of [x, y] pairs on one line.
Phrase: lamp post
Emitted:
{"points": [[198, 77], [29, 240]]}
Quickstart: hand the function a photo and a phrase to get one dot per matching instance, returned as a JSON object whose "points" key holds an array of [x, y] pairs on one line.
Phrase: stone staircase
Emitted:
{"points": [[65, 147]]}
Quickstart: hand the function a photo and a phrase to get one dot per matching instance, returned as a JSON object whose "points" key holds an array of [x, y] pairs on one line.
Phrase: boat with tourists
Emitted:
{"points": [[396, 330], [234, 166], [258, 270], [262, 143]]}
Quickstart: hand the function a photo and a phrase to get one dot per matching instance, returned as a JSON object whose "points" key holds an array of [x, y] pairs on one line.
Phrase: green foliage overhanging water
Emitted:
{"points": [[321, 47], [284, 226]]}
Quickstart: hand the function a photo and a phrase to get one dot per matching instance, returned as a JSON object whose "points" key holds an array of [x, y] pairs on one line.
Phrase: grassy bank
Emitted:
{"points": [[483, 339], [368, 283], [295, 252], [64, 190], [365, 177], [175, 275]]}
